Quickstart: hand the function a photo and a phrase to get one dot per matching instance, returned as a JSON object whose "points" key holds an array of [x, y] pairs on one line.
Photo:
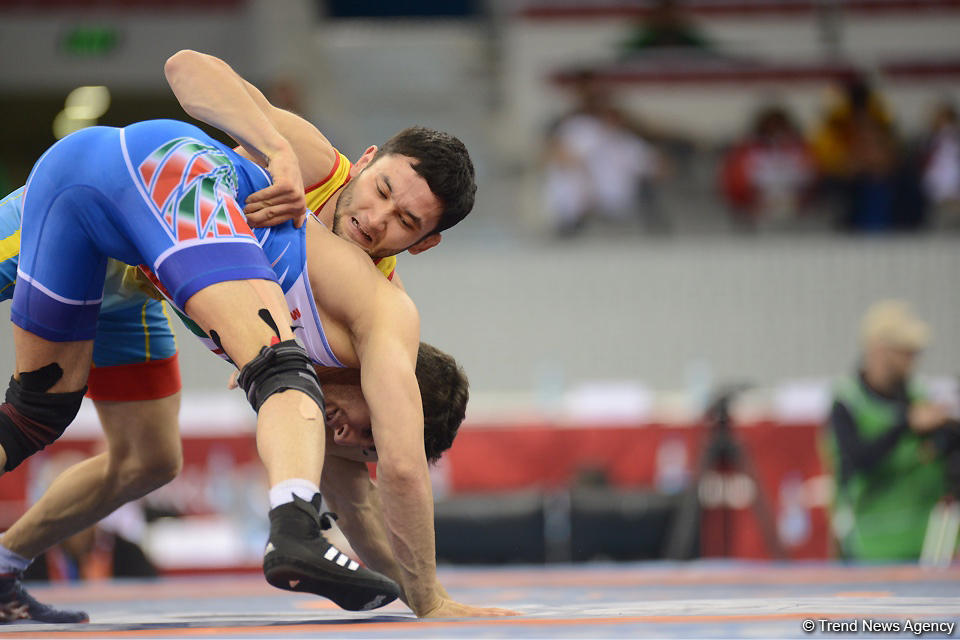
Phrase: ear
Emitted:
{"points": [[365, 159], [429, 242]]}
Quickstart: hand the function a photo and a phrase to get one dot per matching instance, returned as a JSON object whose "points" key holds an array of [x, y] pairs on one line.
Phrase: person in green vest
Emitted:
{"points": [[894, 452]]}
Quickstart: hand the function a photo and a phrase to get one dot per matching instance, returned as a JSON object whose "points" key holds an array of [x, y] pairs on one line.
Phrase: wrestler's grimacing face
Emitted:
{"points": [[387, 208]]}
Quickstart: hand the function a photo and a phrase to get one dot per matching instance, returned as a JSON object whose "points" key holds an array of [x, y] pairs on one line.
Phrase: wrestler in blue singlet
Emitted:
{"points": [[160, 193]]}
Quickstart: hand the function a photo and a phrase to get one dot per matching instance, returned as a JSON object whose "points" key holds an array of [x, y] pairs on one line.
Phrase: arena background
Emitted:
{"points": [[591, 357]]}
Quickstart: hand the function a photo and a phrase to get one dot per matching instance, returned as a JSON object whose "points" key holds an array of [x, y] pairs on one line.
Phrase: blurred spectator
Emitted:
{"points": [[852, 105], [766, 177], [861, 163], [666, 25], [941, 164], [597, 163], [895, 454]]}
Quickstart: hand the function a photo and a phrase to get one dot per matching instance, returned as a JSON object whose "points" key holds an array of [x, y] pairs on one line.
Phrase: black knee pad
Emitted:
{"points": [[31, 419], [276, 368]]}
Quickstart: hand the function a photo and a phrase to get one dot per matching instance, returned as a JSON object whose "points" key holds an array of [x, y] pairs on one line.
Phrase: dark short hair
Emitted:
{"points": [[444, 162], [444, 390]]}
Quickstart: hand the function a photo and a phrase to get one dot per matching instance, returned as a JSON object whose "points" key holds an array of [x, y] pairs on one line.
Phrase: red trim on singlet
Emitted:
{"points": [[155, 281], [150, 380], [336, 164]]}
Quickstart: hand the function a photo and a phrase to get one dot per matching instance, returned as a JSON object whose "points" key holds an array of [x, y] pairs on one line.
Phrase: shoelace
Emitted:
{"points": [[326, 520]]}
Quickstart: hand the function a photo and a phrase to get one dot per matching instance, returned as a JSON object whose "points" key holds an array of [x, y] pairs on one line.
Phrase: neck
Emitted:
{"points": [[337, 375], [325, 214]]}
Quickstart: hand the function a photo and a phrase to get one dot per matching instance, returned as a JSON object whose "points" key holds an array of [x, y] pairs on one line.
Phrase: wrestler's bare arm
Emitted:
{"points": [[387, 349], [347, 487], [208, 90], [212, 92], [384, 328]]}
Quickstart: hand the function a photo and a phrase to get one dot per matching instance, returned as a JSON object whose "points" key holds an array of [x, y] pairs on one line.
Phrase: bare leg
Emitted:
{"points": [[44, 367], [290, 427], [33, 353], [143, 453]]}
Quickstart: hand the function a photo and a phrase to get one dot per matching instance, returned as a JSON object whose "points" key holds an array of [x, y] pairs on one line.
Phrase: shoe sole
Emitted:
{"points": [[293, 575]]}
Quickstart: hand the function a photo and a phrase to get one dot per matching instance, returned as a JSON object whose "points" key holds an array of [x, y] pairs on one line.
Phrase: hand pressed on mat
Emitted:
{"points": [[452, 609]]}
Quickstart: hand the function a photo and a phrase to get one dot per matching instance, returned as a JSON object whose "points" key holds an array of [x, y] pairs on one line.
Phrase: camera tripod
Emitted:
{"points": [[724, 453]]}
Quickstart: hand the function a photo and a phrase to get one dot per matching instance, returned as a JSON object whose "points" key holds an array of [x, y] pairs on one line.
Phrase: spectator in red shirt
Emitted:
{"points": [[766, 177]]}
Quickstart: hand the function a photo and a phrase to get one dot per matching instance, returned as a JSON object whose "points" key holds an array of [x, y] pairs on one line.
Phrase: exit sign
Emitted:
{"points": [[90, 41]]}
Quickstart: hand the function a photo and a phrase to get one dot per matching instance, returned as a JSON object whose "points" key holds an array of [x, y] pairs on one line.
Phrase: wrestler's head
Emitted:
{"points": [[418, 184], [444, 391]]}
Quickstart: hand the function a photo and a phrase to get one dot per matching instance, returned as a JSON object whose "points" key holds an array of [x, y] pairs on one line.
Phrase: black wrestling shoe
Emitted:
{"points": [[299, 558], [16, 604]]}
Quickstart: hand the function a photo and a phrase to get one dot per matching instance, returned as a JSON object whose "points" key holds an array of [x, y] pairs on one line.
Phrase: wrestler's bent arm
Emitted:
{"points": [[227, 105], [212, 92]]}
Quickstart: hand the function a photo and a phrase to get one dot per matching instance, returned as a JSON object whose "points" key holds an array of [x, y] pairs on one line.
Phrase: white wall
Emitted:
{"points": [[761, 310]]}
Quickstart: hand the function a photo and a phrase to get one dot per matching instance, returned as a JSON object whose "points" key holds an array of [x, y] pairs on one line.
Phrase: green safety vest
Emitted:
{"points": [[885, 509]]}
